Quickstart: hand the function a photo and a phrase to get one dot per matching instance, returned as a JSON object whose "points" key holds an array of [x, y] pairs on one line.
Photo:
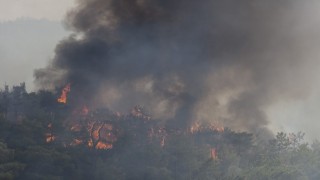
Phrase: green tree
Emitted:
{"points": [[9, 169]]}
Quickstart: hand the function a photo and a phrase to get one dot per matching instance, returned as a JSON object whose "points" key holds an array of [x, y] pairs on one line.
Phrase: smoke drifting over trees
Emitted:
{"points": [[185, 60], [36, 142]]}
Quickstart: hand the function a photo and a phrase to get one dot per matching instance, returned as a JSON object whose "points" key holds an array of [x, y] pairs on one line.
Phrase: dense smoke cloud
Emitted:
{"points": [[185, 60]]}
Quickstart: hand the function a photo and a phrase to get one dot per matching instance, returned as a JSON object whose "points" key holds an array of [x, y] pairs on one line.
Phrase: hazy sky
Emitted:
{"points": [[54, 10], [30, 30]]}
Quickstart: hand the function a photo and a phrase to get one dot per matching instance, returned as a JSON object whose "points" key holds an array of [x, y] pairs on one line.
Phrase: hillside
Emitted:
{"points": [[44, 139]]}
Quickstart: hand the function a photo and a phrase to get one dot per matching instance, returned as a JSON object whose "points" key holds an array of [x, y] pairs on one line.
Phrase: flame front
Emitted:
{"points": [[102, 145], [137, 112], [64, 93], [197, 127]]}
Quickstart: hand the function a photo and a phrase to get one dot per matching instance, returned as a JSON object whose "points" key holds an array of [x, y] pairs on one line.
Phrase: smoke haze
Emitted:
{"points": [[218, 61]]}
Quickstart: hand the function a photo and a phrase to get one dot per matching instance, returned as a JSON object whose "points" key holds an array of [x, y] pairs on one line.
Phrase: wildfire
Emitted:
{"points": [[76, 142], [85, 110], [219, 129], [90, 143], [158, 135], [101, 145], [82, 111], [50, 137], [197, 127], [76, 128], [64, 93], [162, 142], [213, 154], [101, 134], [137, 111]]}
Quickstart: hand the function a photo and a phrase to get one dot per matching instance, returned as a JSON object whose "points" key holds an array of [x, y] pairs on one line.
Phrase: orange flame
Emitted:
{"points": [[96, 133], [197, 127], [76, 142], [101, 138], [50, 137], [101, 145], [90, 143], [64, 93]]}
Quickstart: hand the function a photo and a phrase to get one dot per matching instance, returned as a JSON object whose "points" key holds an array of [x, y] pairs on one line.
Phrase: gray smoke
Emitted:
{"points": [[222, 61]]}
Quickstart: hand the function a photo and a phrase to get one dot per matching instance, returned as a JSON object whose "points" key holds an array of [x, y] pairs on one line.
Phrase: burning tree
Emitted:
{"points": [[64, 94], [53, 139]]}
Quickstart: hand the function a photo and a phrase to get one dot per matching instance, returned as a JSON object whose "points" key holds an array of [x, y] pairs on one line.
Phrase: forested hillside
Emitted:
{"points": [[41, 138]]}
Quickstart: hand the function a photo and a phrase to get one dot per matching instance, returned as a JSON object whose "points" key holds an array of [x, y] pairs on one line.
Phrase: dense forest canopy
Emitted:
{"points": [[41, 138]]}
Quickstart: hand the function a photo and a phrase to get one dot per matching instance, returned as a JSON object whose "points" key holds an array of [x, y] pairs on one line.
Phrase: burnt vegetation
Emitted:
{"points": [[43, 139]]}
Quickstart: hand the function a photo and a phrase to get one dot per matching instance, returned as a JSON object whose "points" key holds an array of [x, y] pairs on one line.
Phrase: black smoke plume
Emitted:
{"points": [[220, 61]]}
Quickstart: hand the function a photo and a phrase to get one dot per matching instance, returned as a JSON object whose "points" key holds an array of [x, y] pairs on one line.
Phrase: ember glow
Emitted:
{"points": [[85, 110], [158, 134], [96, 129], [64, 93], [213, 154], [163, 141], [50, 125], [137, 111], [50, 137], [87, 130], [197, 127], [101, 135], [103, 146], [76, 142]]}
